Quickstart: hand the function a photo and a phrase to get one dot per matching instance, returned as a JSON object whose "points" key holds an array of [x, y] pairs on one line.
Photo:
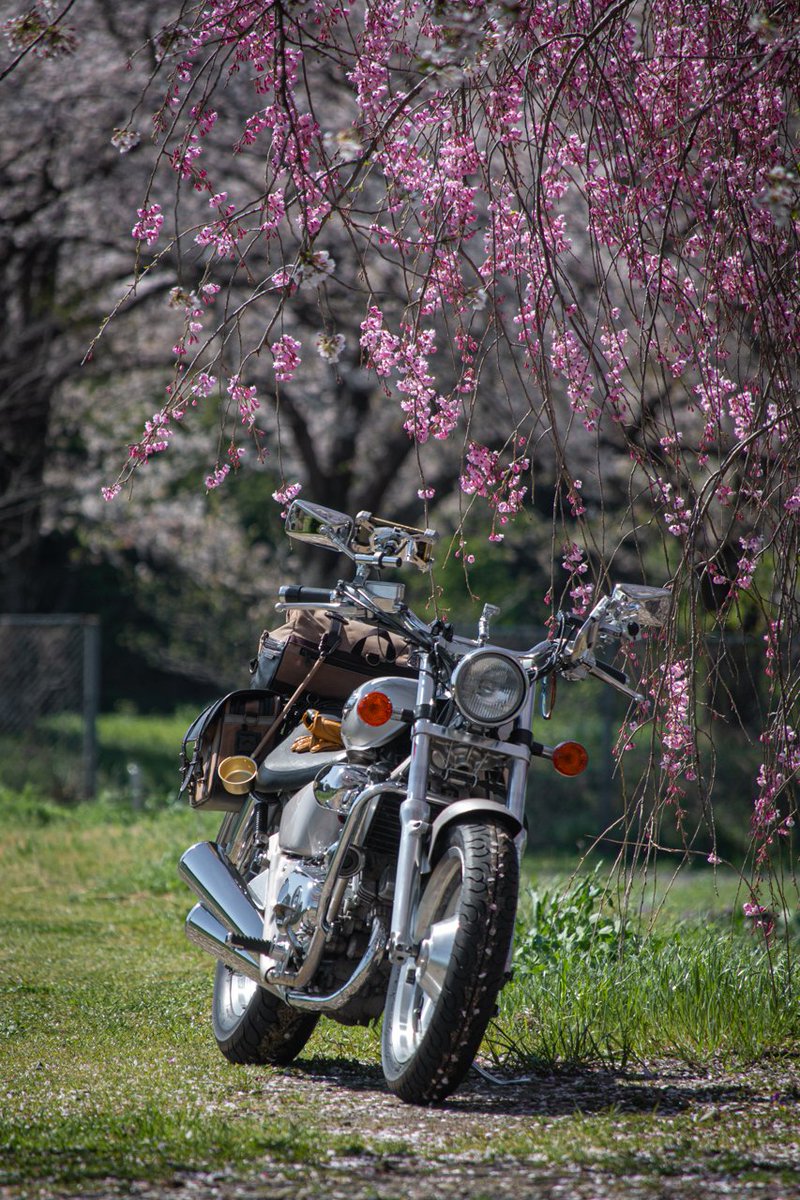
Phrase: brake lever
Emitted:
{"points": [[614, 678]]}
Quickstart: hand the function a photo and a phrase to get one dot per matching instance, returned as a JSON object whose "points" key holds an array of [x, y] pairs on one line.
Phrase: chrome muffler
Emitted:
{"points": [[224, 897], [205, 931]]}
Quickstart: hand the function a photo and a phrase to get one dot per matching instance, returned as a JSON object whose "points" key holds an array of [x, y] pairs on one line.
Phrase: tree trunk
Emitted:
{"points": [[30, 323]]}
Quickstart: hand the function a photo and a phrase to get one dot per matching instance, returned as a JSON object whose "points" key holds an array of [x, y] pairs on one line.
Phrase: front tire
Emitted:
{"points": [[252, 1025], [439, 1003]]}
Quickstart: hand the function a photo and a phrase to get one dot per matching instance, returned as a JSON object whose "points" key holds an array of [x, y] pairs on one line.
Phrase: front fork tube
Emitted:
{"points": [[415, 818], [517, 790], [517, 784], [415, 815]]}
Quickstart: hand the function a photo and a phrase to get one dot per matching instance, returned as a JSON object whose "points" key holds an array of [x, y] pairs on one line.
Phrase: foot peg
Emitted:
{"points": [[254, 945]]}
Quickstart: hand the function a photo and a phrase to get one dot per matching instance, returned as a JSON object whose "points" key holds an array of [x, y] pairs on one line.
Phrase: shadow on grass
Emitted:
{"points": [[567, 1090]]}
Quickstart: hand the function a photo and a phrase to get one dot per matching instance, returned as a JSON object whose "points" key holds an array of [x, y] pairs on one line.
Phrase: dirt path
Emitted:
{"points": [[634, 1135]]}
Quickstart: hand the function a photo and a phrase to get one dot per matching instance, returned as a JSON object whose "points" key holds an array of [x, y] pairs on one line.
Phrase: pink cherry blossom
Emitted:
{"points": [[148, 227], [286, 357]]}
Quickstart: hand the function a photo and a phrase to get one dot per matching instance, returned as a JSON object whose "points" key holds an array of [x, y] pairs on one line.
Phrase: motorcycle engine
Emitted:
{"points": [[295, 909], [290, 886], [288, 891]]}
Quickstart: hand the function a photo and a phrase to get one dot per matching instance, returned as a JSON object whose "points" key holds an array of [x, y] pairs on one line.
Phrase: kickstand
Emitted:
{"points": [[496, 1080]]}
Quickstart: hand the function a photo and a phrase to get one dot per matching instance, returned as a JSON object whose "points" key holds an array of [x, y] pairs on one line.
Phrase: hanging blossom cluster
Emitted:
{"points": [[286, 494], [41, 31], [286, 357], [193, 305], [183, 393], [577, 222], [245, 400], [485, 475], [406, 358], [581, 590], [780, 768], [672, 692], [148, 226], [330, 347]]}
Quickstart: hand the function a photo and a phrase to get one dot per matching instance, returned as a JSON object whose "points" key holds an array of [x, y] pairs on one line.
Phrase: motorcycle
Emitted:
{"points": [[377, 872]]}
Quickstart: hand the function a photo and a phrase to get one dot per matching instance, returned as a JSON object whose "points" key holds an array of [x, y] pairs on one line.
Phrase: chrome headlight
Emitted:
{"points": [[489, 688]]}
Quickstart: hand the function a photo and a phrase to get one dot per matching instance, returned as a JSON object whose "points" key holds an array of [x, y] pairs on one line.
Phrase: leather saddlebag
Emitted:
{"points": [[230, 726], [286, 655]]}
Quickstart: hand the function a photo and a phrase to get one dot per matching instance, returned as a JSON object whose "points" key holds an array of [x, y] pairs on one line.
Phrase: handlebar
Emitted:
{"points": [[352, 601], [296, 594]]}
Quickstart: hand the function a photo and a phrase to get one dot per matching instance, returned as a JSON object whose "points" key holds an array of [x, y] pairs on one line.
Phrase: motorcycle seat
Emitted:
{"points": [[283, 770]]}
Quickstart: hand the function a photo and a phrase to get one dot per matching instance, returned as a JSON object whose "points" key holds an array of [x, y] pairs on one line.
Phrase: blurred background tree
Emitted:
{"points": [[587, 147]]}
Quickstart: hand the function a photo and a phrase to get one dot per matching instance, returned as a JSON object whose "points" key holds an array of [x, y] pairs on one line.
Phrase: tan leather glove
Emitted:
{"points": [[325, 733]]}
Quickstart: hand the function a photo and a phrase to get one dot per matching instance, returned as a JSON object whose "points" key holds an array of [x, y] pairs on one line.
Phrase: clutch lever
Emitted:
{"points": [[614, 678]]}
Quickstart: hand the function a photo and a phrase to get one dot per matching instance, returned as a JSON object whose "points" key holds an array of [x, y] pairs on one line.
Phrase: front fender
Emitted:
{"points": [[476, 810]]}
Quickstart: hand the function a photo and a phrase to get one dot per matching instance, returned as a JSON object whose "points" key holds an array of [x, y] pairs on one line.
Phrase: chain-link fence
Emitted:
{"points": [[49, 692]]}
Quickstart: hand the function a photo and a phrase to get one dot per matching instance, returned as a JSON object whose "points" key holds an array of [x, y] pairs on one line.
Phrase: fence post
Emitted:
{"points": [[91, 702]]}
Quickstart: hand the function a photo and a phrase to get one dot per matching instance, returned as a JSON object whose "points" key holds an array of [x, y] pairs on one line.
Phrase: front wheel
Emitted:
{"points": [[439, 1003], [252, 1025]]}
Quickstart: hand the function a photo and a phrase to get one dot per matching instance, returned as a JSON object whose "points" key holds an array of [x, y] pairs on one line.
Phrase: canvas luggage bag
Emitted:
{"points": [[234, 725], [286, 655]]}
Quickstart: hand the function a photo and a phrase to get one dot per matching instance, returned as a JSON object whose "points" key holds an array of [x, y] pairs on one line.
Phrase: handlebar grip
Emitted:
{"points": [[607, 669], [295, 594]]}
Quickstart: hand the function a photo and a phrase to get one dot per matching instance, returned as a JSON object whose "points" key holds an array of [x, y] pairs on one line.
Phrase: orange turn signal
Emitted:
{"points": [[570, 758], [375, 708]]}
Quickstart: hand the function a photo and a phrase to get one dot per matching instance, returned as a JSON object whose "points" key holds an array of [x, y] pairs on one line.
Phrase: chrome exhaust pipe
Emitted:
{"points": [[205, 931], [373, 953], [221, 890]]}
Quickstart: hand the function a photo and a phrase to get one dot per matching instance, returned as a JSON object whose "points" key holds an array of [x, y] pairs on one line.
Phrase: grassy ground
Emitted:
{"points": [[677, 1063], [47, 760]]}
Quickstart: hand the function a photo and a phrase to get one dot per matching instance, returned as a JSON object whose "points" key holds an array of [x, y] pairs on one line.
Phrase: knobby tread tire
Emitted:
{"points": [[268, 1032], [475, 976]]}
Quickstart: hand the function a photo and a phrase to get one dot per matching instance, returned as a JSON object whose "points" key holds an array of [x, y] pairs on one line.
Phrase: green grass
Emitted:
{"points": [[695, 996], [47, 759], [151, 741], [108, 1068], [597, 979]]}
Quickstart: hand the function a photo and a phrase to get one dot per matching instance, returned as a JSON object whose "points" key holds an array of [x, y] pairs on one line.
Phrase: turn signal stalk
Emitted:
{"points": [[570, 758]]}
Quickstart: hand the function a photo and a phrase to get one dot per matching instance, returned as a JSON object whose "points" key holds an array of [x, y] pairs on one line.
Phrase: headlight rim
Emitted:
{"points": [[459, 676]]}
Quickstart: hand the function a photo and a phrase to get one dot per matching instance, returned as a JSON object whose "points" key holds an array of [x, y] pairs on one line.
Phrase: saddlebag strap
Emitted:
{"points": [[327, 644], [376, 648]]}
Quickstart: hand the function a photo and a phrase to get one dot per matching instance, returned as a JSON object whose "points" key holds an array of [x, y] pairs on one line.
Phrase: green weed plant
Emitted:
{"points": [[591, 983]]}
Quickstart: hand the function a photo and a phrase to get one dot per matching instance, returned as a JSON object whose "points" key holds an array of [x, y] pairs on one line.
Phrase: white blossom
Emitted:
{"points": [[329, 345], [125, 139], [313, 269]]}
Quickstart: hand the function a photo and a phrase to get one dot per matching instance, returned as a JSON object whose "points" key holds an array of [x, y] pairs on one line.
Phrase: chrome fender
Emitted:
{"points": [[475, 809]]}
